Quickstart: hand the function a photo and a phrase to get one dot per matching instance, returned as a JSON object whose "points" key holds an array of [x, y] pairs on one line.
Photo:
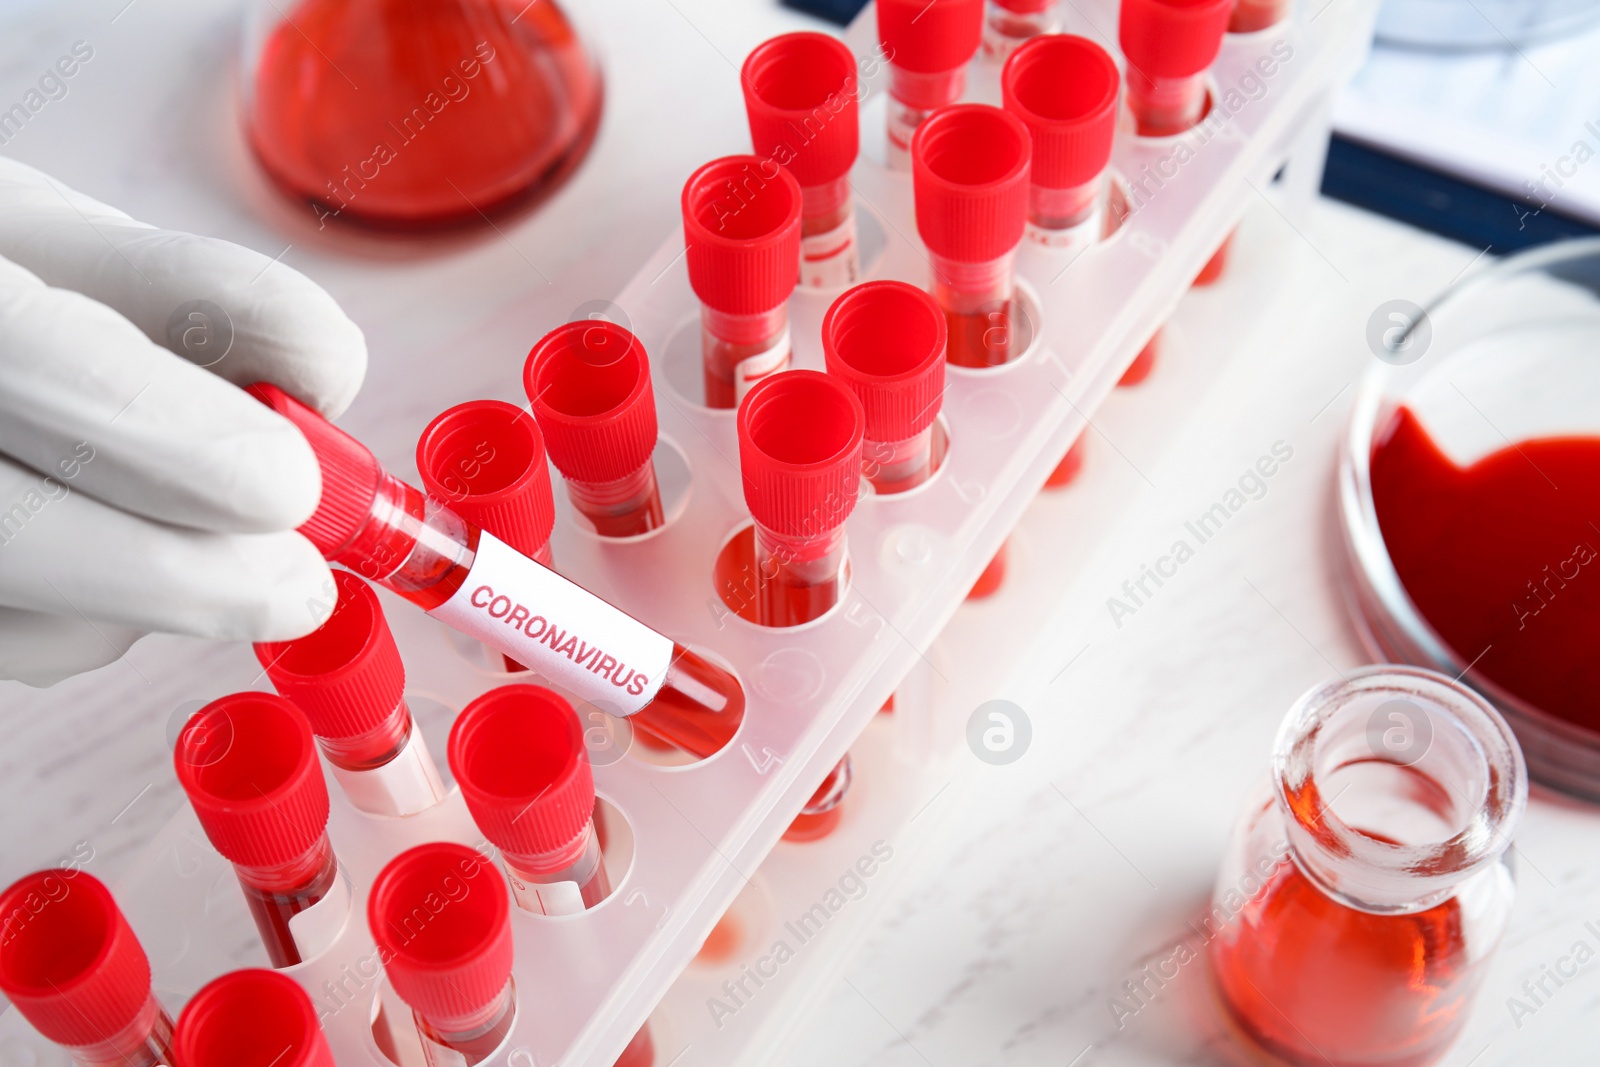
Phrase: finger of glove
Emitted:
{"points": [[40, 649], [220, 305], [86, 397], [66, 553]]}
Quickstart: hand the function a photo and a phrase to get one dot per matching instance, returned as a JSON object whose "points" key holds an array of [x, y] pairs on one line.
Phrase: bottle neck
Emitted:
{"points": [[573, 861], [966, 288], [145, 1042], [1064, 209], [476, 1032], [926, 91], [895, 466], [799, 561], [760, 330], [410, 544], [1163, 107], [629, 505], [824, 208], [305, 872], [373, 748]]}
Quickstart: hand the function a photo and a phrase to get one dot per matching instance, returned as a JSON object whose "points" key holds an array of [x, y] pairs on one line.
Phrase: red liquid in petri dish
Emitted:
{"points": [[1502, 555], [415, 114]]}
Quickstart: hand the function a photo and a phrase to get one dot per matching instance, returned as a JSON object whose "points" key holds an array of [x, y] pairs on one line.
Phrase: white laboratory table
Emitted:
{"points": [[1050, 881]]}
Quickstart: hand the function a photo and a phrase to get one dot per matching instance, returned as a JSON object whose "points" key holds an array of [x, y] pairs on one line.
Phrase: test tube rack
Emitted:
{"points": [[684, 840]]}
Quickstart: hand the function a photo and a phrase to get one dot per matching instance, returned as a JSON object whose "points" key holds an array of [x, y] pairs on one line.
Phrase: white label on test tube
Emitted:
{"points": [[318, 927], [752, 369], [548, 898], [561, 630], [829, 260], [405, 785]]}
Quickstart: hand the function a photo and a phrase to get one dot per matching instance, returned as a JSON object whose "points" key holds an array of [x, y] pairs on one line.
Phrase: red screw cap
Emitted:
{"points": [[886, 341], [800, 92], [589, 386], [351, 474], [68, 959], [519, 756], [969, 177], [486, 459], [930, 36], [253, 1018], [451, 965], [1064, 89], [250, 768], [800, 437], [346, 675], [741, 220], [1172, 38]]}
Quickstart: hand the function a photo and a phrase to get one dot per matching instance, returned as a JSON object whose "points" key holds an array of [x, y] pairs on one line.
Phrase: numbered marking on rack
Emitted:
{"points": [[1146, 244], [638, 895]]}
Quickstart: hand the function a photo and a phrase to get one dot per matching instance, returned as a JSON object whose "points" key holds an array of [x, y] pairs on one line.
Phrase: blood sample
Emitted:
{"points": [[387, 531], [71, 965], [251, 1018], [1169, 46], [346, 676], [800, 94], [928, 44], [1252, 16], [741, 225], [418, 115], [1364, 895], [441, 918], [1071, 465], [1008, 24], [589, 386], [821, 815], [993, 576], [970, 180], [249, 765], [1064, 89], [1217, 265], [1144, 362]]}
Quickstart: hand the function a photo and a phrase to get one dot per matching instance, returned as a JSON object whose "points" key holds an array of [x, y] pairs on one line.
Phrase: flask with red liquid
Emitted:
{"points": [[251, 1018], [800, 94], [1363, 897], [589, 386], [415, 114], [346, 676], [741, 226], [72, 966], [248, 763], [389, 533], [928, 44]]}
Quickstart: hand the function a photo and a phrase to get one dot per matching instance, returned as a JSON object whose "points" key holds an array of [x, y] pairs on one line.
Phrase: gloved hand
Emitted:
{"points": [[140, 489]]}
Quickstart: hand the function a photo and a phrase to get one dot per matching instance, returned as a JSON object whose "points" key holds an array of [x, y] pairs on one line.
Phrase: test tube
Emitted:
{"points": [[386, 530], [970, 166], [928, 44], [821, 815], [346, 676], [1169, 46], [741, 226], [72, 966], [1064, 89], [800, 94], [249, 765], [1252, 16], [885, 340], [441, 919], [251, 1018], [589, 386], [1008, 24]]}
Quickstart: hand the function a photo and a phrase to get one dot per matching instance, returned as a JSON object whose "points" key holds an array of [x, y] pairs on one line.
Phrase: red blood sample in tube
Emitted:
{"points": [[249, 765], [1169, 46], [1252, 16], [1071, 465], [1144, 362], [741, 224], [1217, 264], [1064, 89], [800, 94], [992, 578], [454, 969], [821, 815], [251, 1018], [970, 166], [928, 44], [1008, 24], [346, 676], [885, 340], [589, 386], [71, 965], [387, 531]]}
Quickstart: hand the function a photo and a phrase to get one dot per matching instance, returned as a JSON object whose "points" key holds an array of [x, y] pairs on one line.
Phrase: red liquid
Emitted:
{"points": [[1143, 363], [1070, 466], [1496, 556], [979, 338], [1216, 264], [273, 910], [1315, 982], [641, 520], [993, 576], [815, 825], [641, 1051], [420, 113], [476, 1045]]}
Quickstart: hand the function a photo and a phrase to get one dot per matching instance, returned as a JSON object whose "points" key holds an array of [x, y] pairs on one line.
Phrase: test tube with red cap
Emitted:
{"points": [[249, 765], [885, 340], [970, 166], [741, 224], [928, 44], [1008, 24], [589, 386], [800, 93], [1064, 89], [72, 966], [390, 533], [346, 676], [441, 918], [1169, 46], [251, 1018]]}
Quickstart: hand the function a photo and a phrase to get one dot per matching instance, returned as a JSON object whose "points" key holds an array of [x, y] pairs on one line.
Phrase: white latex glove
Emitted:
{"points": [[138, 491]]}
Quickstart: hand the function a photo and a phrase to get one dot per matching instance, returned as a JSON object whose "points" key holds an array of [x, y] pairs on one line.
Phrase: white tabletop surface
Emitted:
{"points": [[1055, 877]]}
